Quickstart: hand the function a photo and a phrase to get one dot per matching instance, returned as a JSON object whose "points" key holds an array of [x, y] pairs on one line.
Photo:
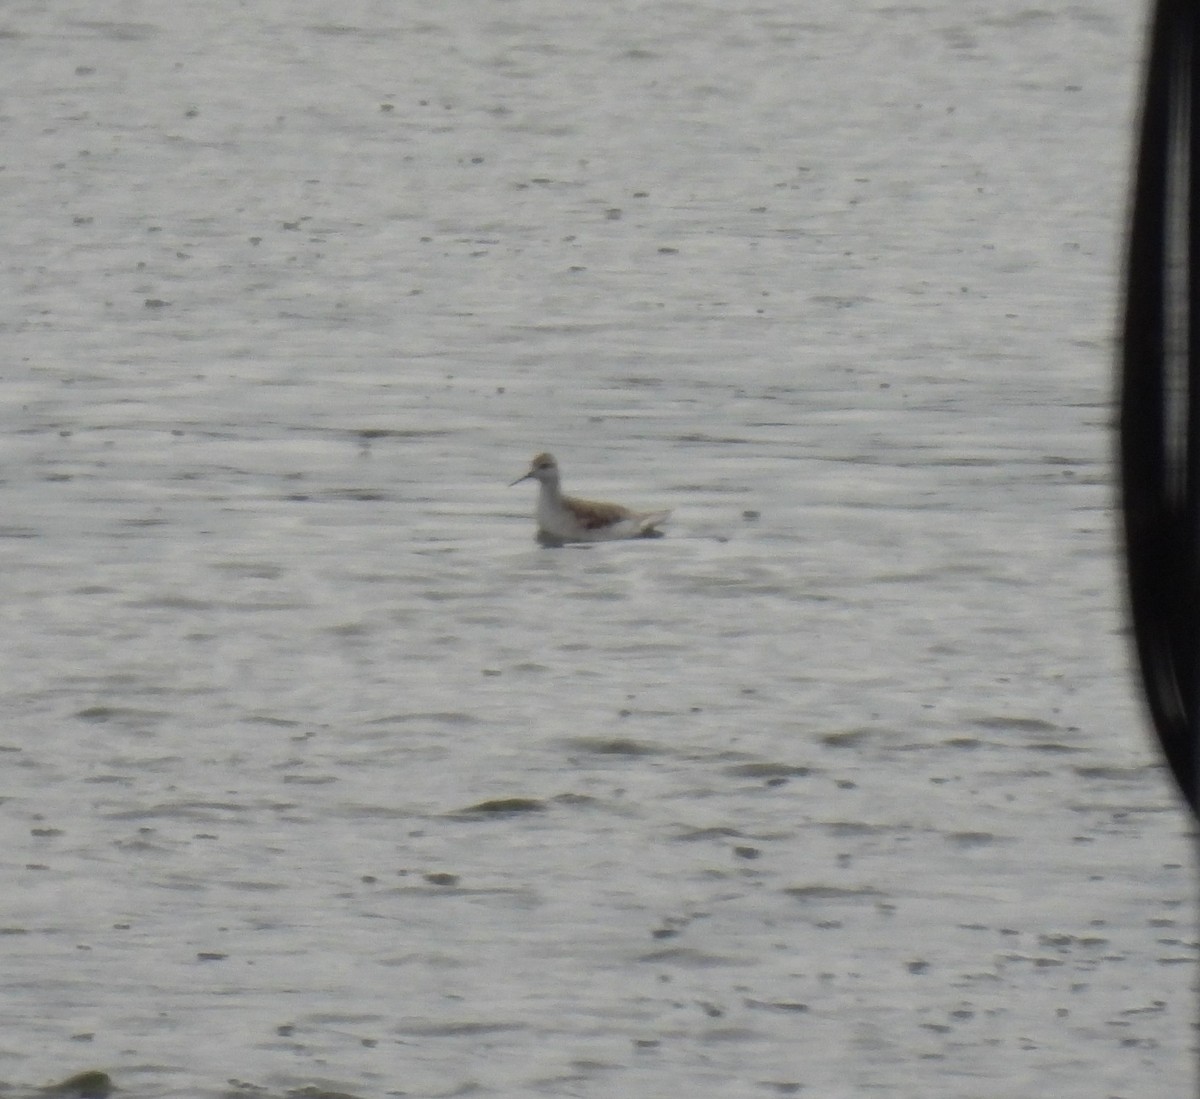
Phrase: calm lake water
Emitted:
{"points": [[319, 774]]}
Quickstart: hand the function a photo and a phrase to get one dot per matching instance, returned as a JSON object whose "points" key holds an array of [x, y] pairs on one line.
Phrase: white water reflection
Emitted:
{"points": [[320, 773]]}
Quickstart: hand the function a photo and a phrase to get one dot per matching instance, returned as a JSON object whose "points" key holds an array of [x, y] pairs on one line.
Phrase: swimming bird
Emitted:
{"points": [[568, 519]]}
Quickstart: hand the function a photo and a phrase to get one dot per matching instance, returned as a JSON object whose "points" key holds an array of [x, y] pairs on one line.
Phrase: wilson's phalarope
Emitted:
{"points": [[568, 519]]}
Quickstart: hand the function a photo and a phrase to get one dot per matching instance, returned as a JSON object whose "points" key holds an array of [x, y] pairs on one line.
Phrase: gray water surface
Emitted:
{"points": [[319, 774]]}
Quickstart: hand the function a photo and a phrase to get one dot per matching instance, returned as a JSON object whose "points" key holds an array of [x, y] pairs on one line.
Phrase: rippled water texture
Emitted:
{"points": [[319, 774]]}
